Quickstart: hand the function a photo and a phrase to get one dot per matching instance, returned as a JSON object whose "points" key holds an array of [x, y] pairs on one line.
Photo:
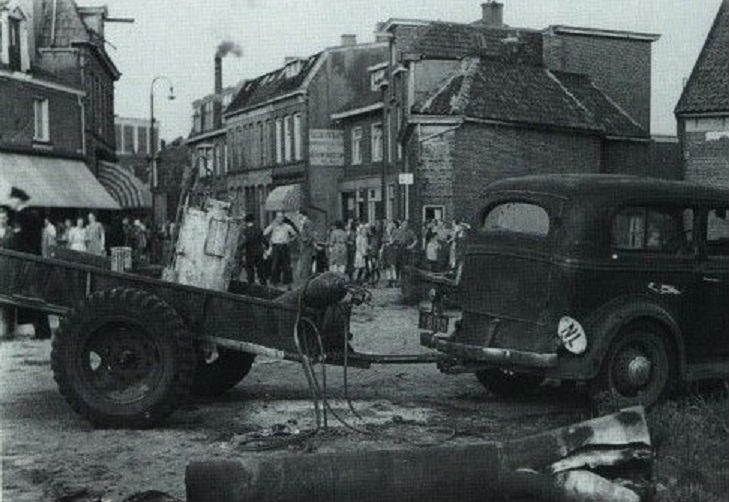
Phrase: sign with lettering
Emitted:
{"points": [[326, 147]]}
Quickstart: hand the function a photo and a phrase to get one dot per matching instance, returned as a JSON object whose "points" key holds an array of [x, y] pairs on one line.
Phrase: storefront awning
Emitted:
{"points": [[53, 182], [127, 189], [286, 198]]}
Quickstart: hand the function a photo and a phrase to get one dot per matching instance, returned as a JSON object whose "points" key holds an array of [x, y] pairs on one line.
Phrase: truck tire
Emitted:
{"points": [[636, 369], [222, 374], [123, 359], [504, 383]]}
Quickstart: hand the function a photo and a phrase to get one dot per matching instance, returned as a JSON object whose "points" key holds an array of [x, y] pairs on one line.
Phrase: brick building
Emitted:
{"points": [[42, 141], [284, 148], [703, 109], [472, 103]]}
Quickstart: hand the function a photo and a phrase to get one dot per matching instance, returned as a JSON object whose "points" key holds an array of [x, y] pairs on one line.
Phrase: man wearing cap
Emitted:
{"points": [[28, 228]]}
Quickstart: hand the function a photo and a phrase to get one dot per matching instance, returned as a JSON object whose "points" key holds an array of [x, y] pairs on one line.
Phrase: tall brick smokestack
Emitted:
{"points": [[225, 48]]}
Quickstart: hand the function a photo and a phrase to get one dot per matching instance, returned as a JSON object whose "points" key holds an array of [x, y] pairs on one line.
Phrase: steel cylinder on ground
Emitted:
{"points": [[441, 474]]}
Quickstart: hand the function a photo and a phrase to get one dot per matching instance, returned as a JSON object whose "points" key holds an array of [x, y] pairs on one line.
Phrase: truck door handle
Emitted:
{"points": [[712, 280]]}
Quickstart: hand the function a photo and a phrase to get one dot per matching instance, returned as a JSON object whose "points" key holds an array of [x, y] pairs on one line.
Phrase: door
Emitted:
{"points": [[712, 319]]}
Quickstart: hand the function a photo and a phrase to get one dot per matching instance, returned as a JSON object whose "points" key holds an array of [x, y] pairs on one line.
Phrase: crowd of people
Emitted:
{"points": [[286, 253]]}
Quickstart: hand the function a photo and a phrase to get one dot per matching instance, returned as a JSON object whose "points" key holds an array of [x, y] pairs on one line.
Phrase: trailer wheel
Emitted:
{"points": [[218, 376], [508, 383], [123, 359]]}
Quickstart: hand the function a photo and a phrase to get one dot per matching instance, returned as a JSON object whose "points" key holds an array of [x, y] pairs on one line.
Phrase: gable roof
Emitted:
{"points": [[69, 26], [271, 85], [707, 89], [525, 94]]}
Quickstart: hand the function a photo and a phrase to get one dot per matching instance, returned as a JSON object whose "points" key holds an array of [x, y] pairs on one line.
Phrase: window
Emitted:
{"points": [[376, 136], [298, 154], [356, 145], [717, 232], [14, 51], [261, 145], [42, 132], [287, 138], [656, 230], [279, 141], [118, 131], [142, 133], [268, 157], [517, 218]]}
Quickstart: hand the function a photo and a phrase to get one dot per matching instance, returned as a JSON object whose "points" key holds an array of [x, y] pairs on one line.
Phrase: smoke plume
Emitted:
{"points": [[228, 47]]}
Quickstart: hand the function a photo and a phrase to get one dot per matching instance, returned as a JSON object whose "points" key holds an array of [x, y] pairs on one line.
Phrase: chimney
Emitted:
{"points": [[493, 13], [218, 90], [349, 40]]}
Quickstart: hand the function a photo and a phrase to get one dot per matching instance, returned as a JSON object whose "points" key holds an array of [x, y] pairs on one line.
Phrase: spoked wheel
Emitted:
{"points": [[121, 362], [124, 359], [506, 383], [636, 370]]}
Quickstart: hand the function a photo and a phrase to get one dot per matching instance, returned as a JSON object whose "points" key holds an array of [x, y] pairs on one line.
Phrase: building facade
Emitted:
{"points": [[285, 150], [702, 112], [133, 148], [472, 103], [42, 142]]}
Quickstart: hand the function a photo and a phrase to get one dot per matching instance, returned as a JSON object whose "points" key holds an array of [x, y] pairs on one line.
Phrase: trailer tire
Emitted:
{"points": [[124, 358], [221, 375]]}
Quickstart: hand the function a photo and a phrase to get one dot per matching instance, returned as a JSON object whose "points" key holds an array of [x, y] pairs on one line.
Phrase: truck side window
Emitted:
{"points": [[717, 232], [654, 230]]}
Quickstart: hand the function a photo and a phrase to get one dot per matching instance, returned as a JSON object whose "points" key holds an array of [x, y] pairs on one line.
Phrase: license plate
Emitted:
{"points": [[434, 323]]}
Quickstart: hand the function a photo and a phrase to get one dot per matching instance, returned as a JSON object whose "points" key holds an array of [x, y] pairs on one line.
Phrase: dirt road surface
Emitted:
{"points": [[48, 452]]}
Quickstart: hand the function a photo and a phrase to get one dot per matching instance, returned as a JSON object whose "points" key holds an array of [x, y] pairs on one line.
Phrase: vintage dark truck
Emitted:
{"points": [[617, 281]]}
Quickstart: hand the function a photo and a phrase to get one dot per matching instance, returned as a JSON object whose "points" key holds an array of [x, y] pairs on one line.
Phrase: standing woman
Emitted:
{"points": [[360, 254], [95, 236], [77, 236], [338, 248]]}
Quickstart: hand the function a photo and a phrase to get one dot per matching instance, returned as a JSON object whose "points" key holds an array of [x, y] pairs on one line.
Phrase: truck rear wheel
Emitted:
{"points": [[123, 359], [507, 383], [222, 374]]}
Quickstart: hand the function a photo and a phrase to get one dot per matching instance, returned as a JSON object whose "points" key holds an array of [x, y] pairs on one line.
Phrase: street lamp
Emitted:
{"points": [[151, 147], [171, 96]]}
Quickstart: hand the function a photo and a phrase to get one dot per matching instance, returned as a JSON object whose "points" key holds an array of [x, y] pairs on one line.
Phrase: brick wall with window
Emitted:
{"points": [[38, 118], [705, 145]]}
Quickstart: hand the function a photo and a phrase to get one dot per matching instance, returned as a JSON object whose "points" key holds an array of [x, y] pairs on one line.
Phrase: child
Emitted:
{"points": [[432, 252]]}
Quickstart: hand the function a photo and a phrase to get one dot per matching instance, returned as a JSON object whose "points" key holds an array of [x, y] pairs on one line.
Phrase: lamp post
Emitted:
{"points": [[151, 146]]}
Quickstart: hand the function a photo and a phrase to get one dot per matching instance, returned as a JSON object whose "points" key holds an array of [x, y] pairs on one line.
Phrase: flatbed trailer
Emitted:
{"points": [[131, 348]]}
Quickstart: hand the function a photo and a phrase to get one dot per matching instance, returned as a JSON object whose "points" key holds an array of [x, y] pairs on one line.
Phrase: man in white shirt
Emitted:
{"points": [[280, 235]]}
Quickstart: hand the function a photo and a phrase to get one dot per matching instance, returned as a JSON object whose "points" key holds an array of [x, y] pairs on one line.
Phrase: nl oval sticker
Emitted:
{"points": [[572, 335]]}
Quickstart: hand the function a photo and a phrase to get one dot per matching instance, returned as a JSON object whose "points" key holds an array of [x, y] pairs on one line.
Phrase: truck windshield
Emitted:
{"points": [[518, 218]]}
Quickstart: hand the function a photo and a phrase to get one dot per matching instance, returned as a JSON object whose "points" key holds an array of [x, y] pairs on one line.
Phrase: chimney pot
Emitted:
{"points": [[348, 40], [492, 13]]}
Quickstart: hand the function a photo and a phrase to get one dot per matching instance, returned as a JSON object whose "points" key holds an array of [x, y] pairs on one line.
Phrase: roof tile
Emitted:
{"points": [[708, 87]]}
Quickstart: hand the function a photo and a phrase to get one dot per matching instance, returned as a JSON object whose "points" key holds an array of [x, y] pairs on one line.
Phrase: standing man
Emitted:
{"points": [[404, 240], [28, 239], [280, 234], [49, 238], [307, 249], [252, 252]]}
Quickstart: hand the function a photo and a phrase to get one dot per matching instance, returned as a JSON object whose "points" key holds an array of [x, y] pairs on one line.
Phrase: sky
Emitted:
{"points": [[178, 39]]}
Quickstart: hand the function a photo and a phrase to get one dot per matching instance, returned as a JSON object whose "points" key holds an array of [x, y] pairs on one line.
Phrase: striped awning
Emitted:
{"points": [[53, 182], [286, 198], [127, 189]]}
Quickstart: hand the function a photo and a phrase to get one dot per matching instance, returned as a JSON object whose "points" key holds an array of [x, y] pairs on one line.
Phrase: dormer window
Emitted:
{"points": [[293, 68], [14, 52], [378, 77]]}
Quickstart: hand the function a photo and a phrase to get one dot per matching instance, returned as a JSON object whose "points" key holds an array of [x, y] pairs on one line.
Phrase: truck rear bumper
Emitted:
{"points": [[498, 357]]}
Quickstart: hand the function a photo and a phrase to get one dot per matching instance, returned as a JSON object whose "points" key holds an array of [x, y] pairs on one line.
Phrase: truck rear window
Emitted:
{"points": [[518, 218]]}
